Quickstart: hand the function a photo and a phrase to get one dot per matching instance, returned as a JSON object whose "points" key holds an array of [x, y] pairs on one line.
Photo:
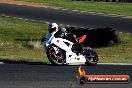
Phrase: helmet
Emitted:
{"points": [[52, 27]]}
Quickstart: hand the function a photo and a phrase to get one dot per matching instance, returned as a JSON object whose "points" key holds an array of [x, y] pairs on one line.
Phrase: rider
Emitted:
{"points": [[55, 31], [52, 28]]}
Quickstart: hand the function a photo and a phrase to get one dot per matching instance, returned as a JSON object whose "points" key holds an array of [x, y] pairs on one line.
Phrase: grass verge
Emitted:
{"points": [[20, 42], [99, 7]]}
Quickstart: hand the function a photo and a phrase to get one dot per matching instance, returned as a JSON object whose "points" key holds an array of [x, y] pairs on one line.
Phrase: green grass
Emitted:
{"points": [[17, 43], [17, 39], [103, 7]]}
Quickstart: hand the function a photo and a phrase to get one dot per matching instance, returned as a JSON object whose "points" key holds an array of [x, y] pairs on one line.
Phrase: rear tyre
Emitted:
{"points": [[55, 55], [91, 57]]}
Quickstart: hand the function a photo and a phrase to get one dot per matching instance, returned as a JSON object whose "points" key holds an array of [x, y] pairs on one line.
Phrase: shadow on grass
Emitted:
{"points": [[7, 61]]}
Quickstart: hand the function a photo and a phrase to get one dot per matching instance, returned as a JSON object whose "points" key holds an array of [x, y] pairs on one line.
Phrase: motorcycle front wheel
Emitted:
{"points": [[55, 55]]}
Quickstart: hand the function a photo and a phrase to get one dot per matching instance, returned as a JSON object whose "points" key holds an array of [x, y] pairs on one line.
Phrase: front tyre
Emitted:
{"points": [[55, 55], [91, 57]]}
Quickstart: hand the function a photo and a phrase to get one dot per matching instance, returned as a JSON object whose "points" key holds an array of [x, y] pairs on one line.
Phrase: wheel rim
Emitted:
{"points": [[93, 58], [57, 58]]}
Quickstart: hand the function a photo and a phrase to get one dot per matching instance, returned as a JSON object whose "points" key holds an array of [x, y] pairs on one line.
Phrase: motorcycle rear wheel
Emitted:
{"points": [[91, 57]]}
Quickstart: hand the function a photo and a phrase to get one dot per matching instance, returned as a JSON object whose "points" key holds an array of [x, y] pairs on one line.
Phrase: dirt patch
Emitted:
{"points": [[24, 3]]}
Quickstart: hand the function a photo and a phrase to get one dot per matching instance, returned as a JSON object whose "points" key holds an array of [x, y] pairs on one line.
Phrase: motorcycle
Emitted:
{"points": [[62, 51]]}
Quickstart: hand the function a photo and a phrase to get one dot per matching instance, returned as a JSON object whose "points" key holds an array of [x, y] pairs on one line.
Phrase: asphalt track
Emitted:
{"points": [[119, 23], [47, 76]]}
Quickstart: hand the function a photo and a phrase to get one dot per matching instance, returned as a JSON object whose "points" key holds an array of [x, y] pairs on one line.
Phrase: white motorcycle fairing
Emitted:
{"points": [[71, 57]]}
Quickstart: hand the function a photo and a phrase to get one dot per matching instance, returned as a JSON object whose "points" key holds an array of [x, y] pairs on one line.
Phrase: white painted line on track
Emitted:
{"points": [[128, 17], [112, 16], [64, 9], [56, 7], [100, 13], [125, 17], [6, 16], [1, 62], [128, 33], [46, 6], [47, 22], [91, 12], [114, 63], [75, 10], [19, 18], [121, 16], [67, 25], [121, 32], [33, 20], [26, 19], [60, 24], [83, 11]]}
